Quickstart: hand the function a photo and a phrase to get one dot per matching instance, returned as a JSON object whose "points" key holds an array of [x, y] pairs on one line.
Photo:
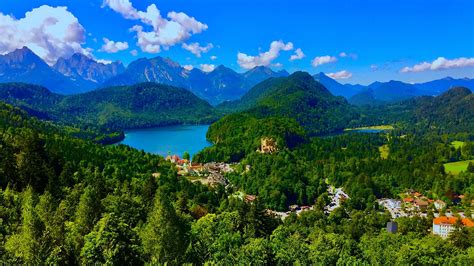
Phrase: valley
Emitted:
{"points": [[236, 133]]}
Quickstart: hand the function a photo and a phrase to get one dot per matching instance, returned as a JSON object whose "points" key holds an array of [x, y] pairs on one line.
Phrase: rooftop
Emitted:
{"points": [[452, 220]]}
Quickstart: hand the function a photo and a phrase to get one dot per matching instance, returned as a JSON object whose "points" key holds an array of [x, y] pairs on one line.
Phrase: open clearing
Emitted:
{"points": [[457, 144], [456, 167]]}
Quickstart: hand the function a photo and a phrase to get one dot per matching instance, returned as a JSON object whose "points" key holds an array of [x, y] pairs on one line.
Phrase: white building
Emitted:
{"points": [[443, 225]]}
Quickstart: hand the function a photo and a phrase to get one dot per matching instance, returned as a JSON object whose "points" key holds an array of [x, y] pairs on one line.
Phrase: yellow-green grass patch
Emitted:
{"points": [[457, 167], [457, 144]]}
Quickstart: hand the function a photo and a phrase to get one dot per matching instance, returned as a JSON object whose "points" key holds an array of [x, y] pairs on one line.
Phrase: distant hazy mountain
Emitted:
{"points": [[22, 65], [385, 92], [337, 88], [221, 84], [80, 73], [437, 87], [157, 69], [76, 74], [395, 91], [86, 70], [260, 73]]}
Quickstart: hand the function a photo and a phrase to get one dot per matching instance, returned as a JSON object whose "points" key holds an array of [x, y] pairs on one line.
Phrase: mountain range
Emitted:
{"points": [[391, 91], [80, 73]]}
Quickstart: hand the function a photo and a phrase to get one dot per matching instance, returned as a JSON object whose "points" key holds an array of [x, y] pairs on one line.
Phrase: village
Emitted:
{"points": [[410, 204]]}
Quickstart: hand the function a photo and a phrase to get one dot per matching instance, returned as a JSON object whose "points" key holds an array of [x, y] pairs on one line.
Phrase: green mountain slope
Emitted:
{"points": [[284, 109], [452, 111], [141, 105], [297, 96]]}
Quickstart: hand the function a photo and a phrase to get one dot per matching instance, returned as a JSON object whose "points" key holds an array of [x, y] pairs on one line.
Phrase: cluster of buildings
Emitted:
{"points": [[337, 196], [414, 203], [208, 173]]}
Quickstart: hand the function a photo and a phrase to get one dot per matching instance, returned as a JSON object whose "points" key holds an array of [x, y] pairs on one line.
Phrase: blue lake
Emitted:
{"points": [[168, 140]]}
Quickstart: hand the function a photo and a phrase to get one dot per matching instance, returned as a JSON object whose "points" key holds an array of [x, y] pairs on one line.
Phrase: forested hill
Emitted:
{"points": [[140, 105], [298, 97], [452, 111], [288, 110]]}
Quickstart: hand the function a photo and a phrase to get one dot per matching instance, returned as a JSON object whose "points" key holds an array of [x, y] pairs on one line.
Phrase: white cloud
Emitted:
{"points": [[166, 32], [207, 67], [50, 32], [104, 61], [351, 55], [298, 55], [134, 52], [263, 59], [277, 65], [321, 60], [188, 67], [439, 64], [113, 47], [196, 49], [344, 74], [213, 57], [123, 7]]}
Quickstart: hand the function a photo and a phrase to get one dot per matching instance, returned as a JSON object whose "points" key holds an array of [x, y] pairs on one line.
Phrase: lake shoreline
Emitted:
{"points": [[168, 140]]}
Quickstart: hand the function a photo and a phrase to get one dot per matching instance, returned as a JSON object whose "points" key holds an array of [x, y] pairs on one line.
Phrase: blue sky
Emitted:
{"points": [[355, 41]]}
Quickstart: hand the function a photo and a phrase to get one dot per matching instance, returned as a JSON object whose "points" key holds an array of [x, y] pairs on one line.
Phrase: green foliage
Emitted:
{"points": [[238, 135], [297, 97], [163, 236], [116, 108], [65, 199]]}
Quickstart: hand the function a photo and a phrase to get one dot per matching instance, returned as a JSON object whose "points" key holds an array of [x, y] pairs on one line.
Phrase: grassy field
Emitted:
{"points": [[456, 167], [384, 151], [381, 127], [457, 144]]}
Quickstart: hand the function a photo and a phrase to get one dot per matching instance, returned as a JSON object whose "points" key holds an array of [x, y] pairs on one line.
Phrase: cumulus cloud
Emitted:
{"points": [[439, 64], [213, 57], [113, 47], [123, 7], [265, 58], [196, 49], [321, 60], [176, 28], [344, 74], [298, 55], [50, 32], [134, 52], [188, 67], [207, 67]]}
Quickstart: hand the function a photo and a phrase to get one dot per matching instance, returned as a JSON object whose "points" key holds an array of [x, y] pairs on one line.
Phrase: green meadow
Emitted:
{"points": [[457, 144], [457, 167]]}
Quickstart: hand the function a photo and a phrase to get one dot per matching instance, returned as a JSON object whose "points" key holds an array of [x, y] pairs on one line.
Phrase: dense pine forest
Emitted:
{"points": [[66, 198]]}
